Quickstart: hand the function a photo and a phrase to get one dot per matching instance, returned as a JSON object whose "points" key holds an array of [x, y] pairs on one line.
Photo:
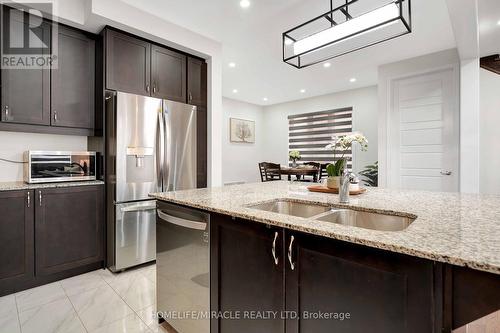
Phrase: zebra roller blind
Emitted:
{"points": [[309, 133]]}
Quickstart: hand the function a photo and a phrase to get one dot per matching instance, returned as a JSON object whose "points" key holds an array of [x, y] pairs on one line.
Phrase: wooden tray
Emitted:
{"points": [[324, 189]]}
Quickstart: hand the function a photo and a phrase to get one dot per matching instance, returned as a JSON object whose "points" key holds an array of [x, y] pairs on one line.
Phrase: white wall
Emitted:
{"points": [[364, 102], [469, 125], [13, 145], [489, 133], [405, 68], [239, 160]]}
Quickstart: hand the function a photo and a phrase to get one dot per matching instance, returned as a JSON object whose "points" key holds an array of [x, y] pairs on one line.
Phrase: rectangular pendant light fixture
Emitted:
{"points": [[341, 30]]}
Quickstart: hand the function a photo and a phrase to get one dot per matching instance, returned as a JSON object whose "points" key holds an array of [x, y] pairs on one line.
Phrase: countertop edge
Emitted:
{"points": [[20, 186], [378, 245]]}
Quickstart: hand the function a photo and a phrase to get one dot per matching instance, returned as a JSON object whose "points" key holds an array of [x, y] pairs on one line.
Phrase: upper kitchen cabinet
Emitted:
{"points": [[26, 92], [168, 70], [58, 99], [128, 63], [73, 82], [197, 81]]}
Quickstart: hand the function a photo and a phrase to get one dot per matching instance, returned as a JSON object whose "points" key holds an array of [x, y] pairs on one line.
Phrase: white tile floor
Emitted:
{"points": [[99, 301]]}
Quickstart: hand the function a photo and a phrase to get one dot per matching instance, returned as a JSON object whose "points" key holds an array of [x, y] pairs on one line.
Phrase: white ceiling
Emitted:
{"points": [[251, 38], [489, 29]]}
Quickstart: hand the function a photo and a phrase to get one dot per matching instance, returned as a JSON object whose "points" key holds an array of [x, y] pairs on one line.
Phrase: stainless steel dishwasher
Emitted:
{"points": [[183, 267]]}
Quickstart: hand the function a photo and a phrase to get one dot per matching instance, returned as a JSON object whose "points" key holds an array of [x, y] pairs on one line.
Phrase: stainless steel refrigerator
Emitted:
{"points": [[151, 147]]}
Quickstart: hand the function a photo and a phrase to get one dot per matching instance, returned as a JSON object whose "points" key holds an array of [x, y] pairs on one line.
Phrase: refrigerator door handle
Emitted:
{"points": [[160, 155], [165, 151]]}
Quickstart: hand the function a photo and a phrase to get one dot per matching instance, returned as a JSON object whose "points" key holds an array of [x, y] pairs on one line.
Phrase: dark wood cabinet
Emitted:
{"points": [[25, 91], [69, 228], [168, 71], [128, 63], [60, 99], [318, 284], [381, 292], [201, 146], [197, 95], [137, 66], [244, 274], [73, 82], [16, 239], [197, 82]]}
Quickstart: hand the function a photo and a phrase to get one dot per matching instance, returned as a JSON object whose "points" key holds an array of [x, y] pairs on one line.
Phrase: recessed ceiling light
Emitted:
{"points": [[498, 22], [245, 3], [232, 64], [235, 91], [265, 99], [288, 41], [302, 91], [352, 80], [326, 64]]}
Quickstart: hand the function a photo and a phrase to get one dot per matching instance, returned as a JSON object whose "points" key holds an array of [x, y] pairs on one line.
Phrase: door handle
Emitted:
{"points": [[29, 199], [154, 89], [274, 248], [6, 112], [446, 173], [181, 222], [55, 116], [290, 255], [40, 197], [147, 88]]}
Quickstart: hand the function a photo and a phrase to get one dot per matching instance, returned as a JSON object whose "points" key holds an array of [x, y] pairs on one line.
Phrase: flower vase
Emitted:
{"points": [[294, 163], [333, 182]]}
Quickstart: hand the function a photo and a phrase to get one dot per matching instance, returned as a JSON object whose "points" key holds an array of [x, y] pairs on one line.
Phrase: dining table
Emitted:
{"points": [[299, 172]]}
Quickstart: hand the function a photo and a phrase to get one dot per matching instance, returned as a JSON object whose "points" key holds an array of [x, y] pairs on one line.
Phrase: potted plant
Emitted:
{"points": [[294, 156], [342, 144]]}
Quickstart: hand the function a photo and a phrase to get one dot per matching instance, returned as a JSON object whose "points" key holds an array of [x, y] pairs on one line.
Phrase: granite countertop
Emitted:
{"points": [[13, 186], [454, 228]]}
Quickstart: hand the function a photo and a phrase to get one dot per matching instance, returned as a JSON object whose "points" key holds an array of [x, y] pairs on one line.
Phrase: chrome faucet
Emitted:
{"points": [[344, 186]]}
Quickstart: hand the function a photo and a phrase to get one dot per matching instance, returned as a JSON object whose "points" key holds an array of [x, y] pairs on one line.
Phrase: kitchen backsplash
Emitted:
{"points": [[14, 144]]}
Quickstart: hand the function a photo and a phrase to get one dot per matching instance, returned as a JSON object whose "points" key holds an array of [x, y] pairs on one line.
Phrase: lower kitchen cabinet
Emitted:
{"points": [[16, 239], [316, 284], [379, 291], [69, 228], [48, 234], [245, 278]]}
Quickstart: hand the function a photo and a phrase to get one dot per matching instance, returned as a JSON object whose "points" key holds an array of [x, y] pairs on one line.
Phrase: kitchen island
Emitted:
{"points": [[437, 274]]}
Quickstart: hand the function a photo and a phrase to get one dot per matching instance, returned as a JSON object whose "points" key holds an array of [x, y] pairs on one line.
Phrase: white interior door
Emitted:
{"points": [[424, 133]]}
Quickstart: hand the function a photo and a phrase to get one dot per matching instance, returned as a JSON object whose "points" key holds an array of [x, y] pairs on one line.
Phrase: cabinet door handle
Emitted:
{"points": [[40, 197], [55, 116], [147, 87], [154, 89], [290, 259], [6, 112], [274, 248], [190, 97], [29, 199]]}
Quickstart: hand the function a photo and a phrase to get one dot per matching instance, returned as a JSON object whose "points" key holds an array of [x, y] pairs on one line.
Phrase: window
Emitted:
{"points": [[309, 133]]}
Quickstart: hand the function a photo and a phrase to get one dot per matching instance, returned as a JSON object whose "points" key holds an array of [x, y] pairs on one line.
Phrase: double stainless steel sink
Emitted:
{"points": [[349, 217]]}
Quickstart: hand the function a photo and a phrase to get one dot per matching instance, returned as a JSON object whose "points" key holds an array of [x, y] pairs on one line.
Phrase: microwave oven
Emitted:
{"points": [[59, 166]]}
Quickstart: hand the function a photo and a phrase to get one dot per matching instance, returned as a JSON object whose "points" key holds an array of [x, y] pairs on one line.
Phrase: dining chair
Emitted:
{"points": [[322, 171], [317, 166], [269, 171]]}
